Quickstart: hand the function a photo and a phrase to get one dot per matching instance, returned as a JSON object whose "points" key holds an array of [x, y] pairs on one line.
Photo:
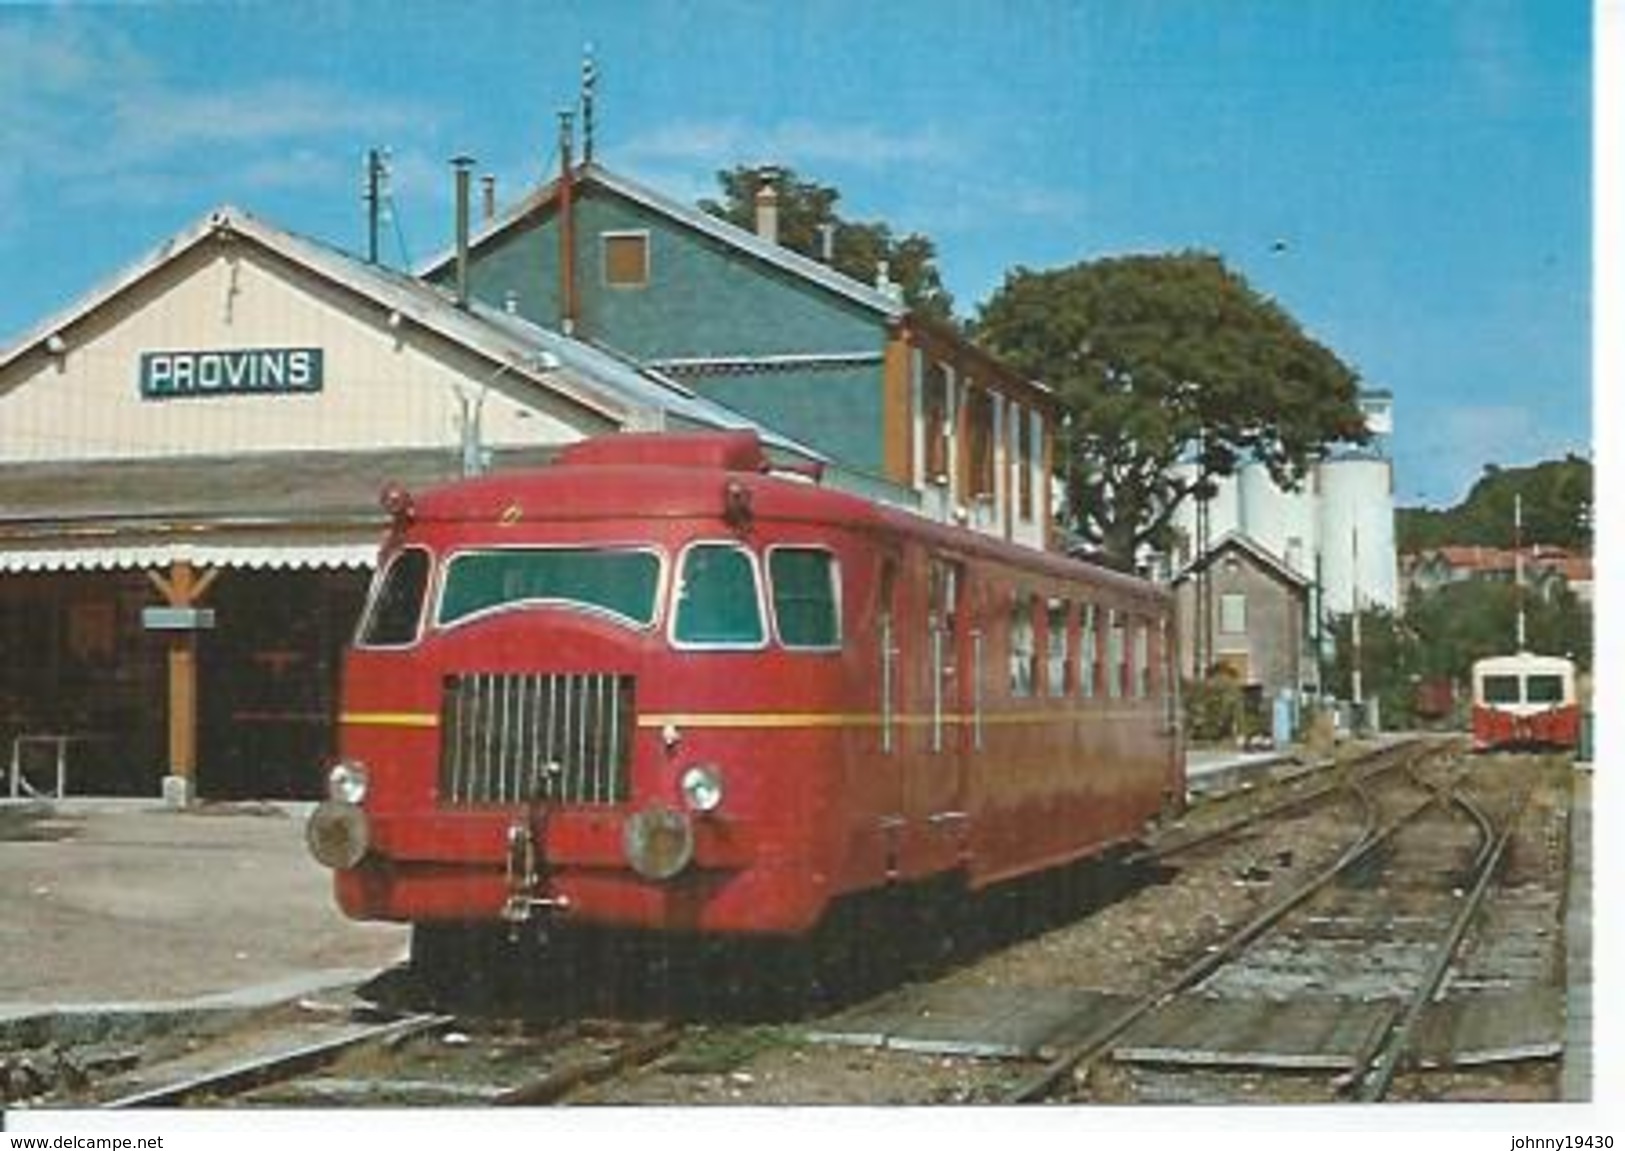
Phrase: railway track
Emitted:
{"points": [[1413, 880], [1294, 795], [1398, 901], [416, 1060]]}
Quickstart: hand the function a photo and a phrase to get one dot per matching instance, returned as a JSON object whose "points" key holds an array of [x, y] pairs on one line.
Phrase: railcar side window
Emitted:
{"points": [[1501, 689], [1116, 656], [1089, 652], [1060, 667], [1543, 689], [622, 584], [392, 621], [1023, 649], [1142, 659], [806, 598], [718, 604]]}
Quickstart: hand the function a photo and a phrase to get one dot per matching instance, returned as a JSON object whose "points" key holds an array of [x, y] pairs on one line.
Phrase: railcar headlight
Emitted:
{"points": [[659, 842], [347, 782], [338, 834], [702, 787]]}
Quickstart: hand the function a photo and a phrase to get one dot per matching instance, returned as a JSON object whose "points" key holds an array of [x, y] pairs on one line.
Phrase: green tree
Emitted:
{"points": [[1163, 360], [1463, 622], [1443, 633], [1557, 509], [806, 208], [1389, 656]]}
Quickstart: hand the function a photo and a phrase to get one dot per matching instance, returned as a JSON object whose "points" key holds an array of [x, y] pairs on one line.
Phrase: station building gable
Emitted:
{"points": [[234, 345], [907, 408], [1243, 610]]}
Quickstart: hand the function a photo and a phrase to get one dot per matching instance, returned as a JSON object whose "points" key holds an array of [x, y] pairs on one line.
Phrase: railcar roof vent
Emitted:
{"points": [[716, 451]]}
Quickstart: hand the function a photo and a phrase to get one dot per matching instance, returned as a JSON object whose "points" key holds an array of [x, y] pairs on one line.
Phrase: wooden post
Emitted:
{"points": [[183, 589]]}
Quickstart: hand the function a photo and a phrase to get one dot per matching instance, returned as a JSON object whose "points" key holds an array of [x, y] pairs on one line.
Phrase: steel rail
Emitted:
{"points": [[1402, 756], [1096, 1042], [247, 1074], [556, 1084], [1377, 1074]]}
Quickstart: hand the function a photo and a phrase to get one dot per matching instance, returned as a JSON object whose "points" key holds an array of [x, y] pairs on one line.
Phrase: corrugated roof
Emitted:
{"points": [[259, 510], [256, 487], [694, 219]]}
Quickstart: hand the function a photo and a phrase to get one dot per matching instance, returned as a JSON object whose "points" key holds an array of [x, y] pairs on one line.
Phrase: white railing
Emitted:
{"points": [[19, 778]]}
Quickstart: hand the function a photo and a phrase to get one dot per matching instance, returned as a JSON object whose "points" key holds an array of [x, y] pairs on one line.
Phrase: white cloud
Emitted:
{"points": [[89, 115]]}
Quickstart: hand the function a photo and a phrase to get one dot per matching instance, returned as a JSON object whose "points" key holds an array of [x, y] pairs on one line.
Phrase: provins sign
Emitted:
{"points": [[233, 372]]}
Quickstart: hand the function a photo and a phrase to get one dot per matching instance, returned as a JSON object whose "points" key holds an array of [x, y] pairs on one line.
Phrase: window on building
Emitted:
{"points": [[1024, 461], [806, 600], [935, 401], [1023, 647], [1233, 613], [979, 457], [626, 259]]}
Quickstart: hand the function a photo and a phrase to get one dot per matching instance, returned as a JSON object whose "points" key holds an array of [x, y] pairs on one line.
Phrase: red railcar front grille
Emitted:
{"points": [[532, 737]]}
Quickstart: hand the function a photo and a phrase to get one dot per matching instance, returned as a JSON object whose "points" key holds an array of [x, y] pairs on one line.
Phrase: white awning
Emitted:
{"points": [[262, 552]]}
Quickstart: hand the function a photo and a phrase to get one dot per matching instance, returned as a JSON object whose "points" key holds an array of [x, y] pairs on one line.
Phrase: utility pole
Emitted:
{"points": [[373, 196], [1358, 683], [1517, 565]]}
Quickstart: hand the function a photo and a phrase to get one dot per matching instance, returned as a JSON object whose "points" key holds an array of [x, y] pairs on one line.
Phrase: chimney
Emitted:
{"points": [[488, 190], [767, 204], [461, 166], [884, 284]]}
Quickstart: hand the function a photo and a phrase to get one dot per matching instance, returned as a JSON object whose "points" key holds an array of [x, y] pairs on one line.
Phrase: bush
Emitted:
{"points": [[1215, 709]]}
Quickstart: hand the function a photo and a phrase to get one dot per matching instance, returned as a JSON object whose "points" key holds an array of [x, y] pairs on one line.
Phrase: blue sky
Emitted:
{"points": [[1411, 180]]}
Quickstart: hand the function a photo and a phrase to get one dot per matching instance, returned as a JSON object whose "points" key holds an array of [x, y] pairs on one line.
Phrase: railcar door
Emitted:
{"points": [[934, 796]]}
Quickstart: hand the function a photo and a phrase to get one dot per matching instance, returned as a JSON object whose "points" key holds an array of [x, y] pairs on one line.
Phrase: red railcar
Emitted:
{"points": [[659, 686], [1525, 700]]}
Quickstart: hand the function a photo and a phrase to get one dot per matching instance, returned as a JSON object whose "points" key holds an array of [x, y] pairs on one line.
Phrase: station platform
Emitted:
{"points": [[1208, 770], [1577, 1084], [125, 901]]}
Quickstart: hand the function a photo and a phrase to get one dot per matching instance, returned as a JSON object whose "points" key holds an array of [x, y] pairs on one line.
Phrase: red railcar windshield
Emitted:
{"points": [[621, 583], [1545, 689], [1502, 689], [397, 605]]}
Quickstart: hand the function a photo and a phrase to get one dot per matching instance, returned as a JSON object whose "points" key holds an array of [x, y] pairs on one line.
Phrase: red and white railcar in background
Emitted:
{"points": [[1525, 701], [660, 686]]}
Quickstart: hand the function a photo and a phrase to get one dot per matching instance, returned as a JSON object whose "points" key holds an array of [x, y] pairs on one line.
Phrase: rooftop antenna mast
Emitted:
{"points": [[380, 201], [589, 82]]}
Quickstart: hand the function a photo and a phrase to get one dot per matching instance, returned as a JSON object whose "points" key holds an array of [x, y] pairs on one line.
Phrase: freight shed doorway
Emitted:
{"points": [[82, 678], [269, 681]]}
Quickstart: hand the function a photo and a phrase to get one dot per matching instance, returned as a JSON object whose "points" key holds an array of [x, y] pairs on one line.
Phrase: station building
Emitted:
{"points": [[905, 407], [190, 465]]}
